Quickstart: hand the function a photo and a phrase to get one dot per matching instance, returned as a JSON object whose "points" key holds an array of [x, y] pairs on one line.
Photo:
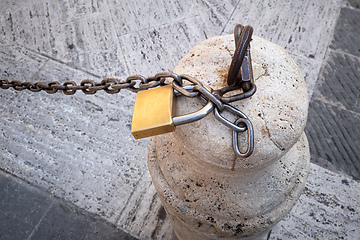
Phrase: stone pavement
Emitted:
{"points": [[71, 169], [334, 116], [29, 213]]}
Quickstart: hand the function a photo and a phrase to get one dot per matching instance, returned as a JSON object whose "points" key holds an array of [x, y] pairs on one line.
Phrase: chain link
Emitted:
{"points": [[134, 83], [239, 77], [137, 83]]}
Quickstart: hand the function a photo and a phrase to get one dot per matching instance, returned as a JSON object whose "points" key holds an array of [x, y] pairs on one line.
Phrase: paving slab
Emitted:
{"points": [[17, 62], [334, 112], [333, 136], [347, 34], [355, 3], [310, 68], [328, 209], [22, 207], [144, 216], [29, 213], [130, 17], [339, 81], [65, 222], [144, 50], [77, 147], [80, 35]]}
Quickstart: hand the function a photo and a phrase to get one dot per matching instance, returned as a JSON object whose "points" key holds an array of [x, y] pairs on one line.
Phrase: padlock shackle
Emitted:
{"points": [[195, 116]]}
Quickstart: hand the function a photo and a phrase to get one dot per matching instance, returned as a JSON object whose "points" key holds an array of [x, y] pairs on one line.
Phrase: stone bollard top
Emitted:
{"points": [[278, 110]]}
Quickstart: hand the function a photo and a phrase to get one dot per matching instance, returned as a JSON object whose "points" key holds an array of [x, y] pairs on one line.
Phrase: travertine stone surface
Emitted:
{"points": [[74, 40], [278, 110], [207, 191], [207, 204]]}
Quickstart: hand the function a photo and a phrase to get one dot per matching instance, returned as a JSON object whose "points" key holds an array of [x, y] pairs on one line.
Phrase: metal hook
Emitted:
{"points": [[242, 42], [246, 72]]}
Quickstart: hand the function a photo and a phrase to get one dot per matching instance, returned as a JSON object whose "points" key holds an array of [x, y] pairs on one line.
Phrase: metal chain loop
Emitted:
{"points": [[88, 84], [110, 82], [176, 85], [226, 122], [239, 77], [250, 138], [54, 90], [70, 87], [137, 83]]}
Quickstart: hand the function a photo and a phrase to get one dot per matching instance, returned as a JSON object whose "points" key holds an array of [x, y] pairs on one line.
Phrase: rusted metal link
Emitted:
{"points": [[240, 96], [109, 82], [239, 77], [87, 83], [240, 74], [198, 88], [176, 85], [52, 87], [152, 84]]}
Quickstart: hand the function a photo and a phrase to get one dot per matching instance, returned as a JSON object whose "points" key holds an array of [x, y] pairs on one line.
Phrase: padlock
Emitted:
{"points": [[153, 112]]}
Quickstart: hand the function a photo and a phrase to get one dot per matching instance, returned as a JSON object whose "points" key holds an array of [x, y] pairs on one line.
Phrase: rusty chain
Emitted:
{"points": [[137, 83], [239, 77], [134, 83]]}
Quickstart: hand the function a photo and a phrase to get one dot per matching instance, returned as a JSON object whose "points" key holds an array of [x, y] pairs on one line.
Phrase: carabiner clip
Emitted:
{"points": [[250, 138], [242, 41]]}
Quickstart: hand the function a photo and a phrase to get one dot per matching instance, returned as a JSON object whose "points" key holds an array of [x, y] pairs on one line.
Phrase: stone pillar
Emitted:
{"points": [[208, 192]]}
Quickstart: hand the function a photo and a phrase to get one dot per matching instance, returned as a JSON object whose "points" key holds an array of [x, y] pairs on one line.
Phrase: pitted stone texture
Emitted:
{"points": [[206, 190], [225, 204], [278, 109]]}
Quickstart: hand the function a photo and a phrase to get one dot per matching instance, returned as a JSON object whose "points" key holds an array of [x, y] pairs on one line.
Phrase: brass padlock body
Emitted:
{"points": [[153, 112]]}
